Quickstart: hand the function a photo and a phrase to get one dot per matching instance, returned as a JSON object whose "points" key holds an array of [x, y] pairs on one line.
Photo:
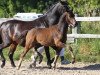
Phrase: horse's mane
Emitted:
{"points": [[50, 7]]}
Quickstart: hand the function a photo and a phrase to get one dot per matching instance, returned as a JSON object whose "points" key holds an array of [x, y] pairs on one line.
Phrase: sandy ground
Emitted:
{"points": [[70, 69]]}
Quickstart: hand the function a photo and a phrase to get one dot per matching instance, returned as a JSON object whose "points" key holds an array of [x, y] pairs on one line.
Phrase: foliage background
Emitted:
{"points": [[86, 50]]}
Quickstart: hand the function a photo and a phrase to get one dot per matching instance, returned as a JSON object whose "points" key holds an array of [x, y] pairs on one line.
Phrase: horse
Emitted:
{"points": [[48, 36], [11, 29]]}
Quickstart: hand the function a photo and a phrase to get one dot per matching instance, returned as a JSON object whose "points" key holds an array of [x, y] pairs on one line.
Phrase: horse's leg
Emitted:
{"points": [[49, 61], [6, 40], [12, 49], [5, 43], [38, 52], [34, 59], [72, 54], [3, 59], [1, 54]]}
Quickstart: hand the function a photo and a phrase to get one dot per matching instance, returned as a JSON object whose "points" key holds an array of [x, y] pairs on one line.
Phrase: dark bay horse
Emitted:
{"points": [[11, 29], [48, 36]]}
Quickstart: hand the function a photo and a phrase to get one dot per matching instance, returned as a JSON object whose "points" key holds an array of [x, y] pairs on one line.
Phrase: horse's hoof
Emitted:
{"points": [[34, 64], [41, 58], [49, 66], [13, 65], [30, 66], [52, 60], [2, 66]]}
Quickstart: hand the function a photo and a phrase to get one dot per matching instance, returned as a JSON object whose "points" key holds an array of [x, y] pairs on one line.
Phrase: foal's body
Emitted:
{"points": [[48, 36], [45, 36]]}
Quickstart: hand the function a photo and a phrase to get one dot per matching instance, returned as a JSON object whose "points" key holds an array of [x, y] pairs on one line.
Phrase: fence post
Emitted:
{"points": [[77, 28]]}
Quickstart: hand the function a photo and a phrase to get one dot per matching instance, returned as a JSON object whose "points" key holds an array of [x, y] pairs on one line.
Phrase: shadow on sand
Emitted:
{"points": [[90, 67]]}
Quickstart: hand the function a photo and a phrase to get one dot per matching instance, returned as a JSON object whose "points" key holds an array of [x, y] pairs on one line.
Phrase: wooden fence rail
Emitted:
{"points": [[75, 35]]}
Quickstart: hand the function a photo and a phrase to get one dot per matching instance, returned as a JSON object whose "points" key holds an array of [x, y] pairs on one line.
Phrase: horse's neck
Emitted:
{"points": [[52, 18], [62, 23], [53, 15]]}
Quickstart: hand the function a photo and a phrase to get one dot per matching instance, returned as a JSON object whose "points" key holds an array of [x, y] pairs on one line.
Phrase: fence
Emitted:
{"points": [[74, 35], [71, 37]]}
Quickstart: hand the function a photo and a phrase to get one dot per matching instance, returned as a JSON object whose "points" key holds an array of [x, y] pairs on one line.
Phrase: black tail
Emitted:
{"points": [[23, 34]]}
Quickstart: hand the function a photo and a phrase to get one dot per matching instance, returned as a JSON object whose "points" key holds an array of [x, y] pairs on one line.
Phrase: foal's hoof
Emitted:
{"points": [[73, 61], [18, 68]]}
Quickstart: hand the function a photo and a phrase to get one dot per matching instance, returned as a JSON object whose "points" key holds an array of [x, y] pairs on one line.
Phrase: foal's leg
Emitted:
{"points": [[56, 57], [55, 61], [28, 46], [72, 54], [11, 53], [22, 56]]}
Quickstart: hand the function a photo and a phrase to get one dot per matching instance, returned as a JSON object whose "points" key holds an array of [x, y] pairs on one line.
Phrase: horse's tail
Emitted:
{"points": [[0, 32], [1, 24]]}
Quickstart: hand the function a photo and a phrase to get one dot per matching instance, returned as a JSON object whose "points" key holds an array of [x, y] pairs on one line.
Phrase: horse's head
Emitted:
{"points": [[70, 18], [63, 6], [56, 10]]}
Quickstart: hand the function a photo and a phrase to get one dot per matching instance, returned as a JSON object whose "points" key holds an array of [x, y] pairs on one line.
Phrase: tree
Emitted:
{"points": [[82, 7]]}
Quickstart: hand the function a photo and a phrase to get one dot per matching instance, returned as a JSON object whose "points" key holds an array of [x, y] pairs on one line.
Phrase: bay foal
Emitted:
{"points": [[48, 36]]}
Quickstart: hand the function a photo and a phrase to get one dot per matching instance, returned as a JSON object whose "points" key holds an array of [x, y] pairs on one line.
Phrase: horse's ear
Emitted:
{"points": [[71, 9], [63, 2]]}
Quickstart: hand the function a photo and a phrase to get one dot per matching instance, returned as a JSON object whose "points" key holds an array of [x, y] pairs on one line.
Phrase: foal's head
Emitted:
{"points": [[70, 18]]}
